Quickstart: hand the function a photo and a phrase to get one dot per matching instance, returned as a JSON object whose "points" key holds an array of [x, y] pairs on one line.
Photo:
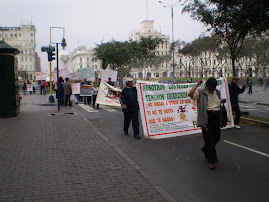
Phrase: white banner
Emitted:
{"points": [[105, 74], [108, 95], [75, 88], [86, 73], [167, 110], [40, 76], [62, 73]]}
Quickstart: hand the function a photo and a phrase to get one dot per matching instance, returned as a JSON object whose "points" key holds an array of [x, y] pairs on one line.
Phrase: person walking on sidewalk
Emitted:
{"points": [[250, 83], [261, 81], [130, 108], [209, 102], [234, 92], [267, 83], [67, 92]]}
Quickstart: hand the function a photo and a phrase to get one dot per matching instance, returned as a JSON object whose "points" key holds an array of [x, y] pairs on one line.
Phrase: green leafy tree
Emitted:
{"points": [[231, 20]]}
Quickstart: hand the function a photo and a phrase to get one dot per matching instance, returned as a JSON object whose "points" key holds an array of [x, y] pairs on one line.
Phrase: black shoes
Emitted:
{"points": [[136, 136], [126, 133], [212, 166]]}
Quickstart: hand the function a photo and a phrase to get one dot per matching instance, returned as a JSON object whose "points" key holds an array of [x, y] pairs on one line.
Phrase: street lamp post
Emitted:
{"points": [[172, 6], [63, 43]]}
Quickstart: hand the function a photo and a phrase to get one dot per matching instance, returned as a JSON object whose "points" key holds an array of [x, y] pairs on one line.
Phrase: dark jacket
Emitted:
{"points": [[234, 92], [67, 88], [129, 98]]}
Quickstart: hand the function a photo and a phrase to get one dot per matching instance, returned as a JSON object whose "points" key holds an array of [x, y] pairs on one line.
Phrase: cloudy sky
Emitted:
{"points": [[88, 22]]}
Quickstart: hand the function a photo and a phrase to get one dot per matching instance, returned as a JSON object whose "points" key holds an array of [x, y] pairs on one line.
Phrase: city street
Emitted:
{"points": [[81, 154], [178, 165], [256, 104]]}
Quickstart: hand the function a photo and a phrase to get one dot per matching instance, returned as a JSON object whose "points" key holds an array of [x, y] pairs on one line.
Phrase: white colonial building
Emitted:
{"points": [[79, 58], [163, 70], [205, 65], [24, 39]]}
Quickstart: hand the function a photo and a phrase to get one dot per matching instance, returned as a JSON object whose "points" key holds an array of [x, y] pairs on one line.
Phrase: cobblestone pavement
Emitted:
{"points": [[60, 157]]}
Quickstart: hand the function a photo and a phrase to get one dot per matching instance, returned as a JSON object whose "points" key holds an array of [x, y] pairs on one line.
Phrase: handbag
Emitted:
{"points": [[223, 116]]}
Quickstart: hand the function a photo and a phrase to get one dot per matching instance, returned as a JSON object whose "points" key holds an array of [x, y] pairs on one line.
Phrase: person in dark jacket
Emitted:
{"points": [[60, 91], [234, 92], [67, 92], [130, 108]]}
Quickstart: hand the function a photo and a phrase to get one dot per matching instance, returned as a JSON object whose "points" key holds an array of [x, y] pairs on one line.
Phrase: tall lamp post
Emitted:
{"points": [[63, 43], [172, 6]]}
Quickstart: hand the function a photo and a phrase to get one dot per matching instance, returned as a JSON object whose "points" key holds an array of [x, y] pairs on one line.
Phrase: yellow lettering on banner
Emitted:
{"points": [[157, 104], [152, 121], [168, 119], [160, 111], [168, 111]]}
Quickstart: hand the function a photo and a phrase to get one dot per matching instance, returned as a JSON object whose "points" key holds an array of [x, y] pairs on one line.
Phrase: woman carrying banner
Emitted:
{"points": [[209, 101]]}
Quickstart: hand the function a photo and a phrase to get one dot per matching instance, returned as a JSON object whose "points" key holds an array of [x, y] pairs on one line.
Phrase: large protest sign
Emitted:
{"points": [[75, 88], [105, 74], [86, 73], [86, 90], [40, 76], [62, 73], [167, 110], [29, 87], [108, 95]]}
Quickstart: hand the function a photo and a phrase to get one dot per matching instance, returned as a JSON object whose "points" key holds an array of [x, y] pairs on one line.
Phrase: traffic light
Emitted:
{"points": [[50, 55]]}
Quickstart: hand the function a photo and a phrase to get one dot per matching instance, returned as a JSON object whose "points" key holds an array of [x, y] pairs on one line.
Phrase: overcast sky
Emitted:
{"points": [[88, 22]]}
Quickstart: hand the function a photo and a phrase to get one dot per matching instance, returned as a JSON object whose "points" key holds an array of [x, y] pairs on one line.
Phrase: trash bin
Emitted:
{"points": [[9, 87]]}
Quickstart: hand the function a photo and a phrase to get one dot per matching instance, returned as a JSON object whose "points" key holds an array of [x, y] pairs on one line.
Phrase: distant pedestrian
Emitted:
{"points": [[87, 99], [60, 91], [250, 83], [209, 102], [234, 92], [24, 87], [130, 108], [261, 81], [267, 83], [95, 89], [110, 82], [67, 92]]}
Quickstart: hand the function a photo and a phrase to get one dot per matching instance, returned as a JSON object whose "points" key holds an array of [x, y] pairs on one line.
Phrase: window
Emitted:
{"points": [[5, 35], [15, 35], [32, 41], [19, 34], [11, 35], [30, 58], [80, 59], [80, 66], [22, 59], [0, 35], [88, 65], [25, 59], [88, 59], [30, 51], [31, 34]]}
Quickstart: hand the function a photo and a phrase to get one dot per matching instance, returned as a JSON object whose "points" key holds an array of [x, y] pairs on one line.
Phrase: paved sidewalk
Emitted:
{"points": [[61, 157]]}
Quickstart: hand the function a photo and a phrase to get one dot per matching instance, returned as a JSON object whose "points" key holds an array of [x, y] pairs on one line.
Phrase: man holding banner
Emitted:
{"points": [[209, 102], [130, 108]]}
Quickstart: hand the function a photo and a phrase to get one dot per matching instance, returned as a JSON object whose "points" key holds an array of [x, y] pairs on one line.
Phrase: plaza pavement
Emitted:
{"points": [[46, 155]]}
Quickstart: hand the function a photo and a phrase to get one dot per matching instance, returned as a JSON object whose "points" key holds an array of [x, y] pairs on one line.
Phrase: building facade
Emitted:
{"points": [[79, 58], [206, 64], [24, 39], [165, 68]]}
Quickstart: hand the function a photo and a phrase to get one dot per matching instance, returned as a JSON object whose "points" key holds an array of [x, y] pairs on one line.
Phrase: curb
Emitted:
{"points": [[254, 122], [260, 103], [157, 187]]}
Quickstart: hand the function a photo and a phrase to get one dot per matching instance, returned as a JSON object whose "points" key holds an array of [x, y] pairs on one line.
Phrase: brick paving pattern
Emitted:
{"points": [[60, 158]]}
